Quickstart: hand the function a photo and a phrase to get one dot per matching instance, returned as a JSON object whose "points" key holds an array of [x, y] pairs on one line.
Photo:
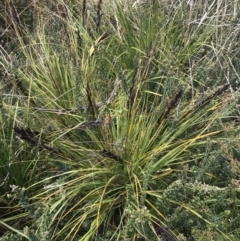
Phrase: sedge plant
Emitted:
{"points": [[114, 120]]}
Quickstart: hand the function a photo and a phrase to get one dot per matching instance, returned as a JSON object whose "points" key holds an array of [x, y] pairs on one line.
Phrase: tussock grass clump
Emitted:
{"points": [[113, 131]]}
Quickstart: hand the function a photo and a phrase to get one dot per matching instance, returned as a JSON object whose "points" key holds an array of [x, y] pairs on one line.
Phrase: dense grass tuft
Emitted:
{"points": [[119, 121]]}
